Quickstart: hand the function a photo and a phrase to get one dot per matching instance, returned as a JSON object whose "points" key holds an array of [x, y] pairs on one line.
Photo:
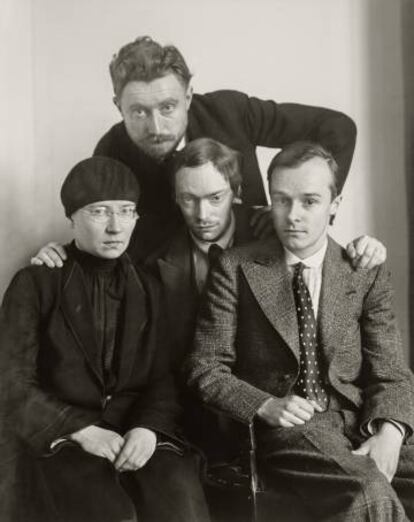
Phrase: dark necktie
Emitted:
{"points": [[309, 383], [213, 254]]}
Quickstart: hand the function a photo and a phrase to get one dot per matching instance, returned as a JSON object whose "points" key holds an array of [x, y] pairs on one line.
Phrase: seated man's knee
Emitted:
{"points": [[374, 493]]}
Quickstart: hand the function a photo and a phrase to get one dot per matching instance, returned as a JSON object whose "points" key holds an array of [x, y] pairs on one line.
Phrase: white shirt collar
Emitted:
{"points": [[313, 261], [181, 144], [226, 240]]}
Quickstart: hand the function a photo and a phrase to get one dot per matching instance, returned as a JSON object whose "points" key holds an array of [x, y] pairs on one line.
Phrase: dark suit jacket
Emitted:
{"points": [[247, 346], [51, 365], [172, 265], [243, 123]]}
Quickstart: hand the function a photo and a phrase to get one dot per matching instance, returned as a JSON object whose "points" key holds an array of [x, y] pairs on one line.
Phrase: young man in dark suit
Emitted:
{"points": [[296, 341], [207, 185], [87, 398]]}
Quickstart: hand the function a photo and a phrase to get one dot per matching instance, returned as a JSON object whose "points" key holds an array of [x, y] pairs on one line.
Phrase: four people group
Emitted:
{"points": [[210, 298]]}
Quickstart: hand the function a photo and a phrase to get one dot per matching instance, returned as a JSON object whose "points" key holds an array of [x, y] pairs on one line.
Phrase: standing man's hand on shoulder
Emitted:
{"points": [[52, 255], [366, 252], [384, 448], [139, 446], [99, 442], [288, 411]]}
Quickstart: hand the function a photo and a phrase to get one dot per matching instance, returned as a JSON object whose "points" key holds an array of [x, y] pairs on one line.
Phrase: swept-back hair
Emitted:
{"points": [[299, 152], [206, 150], [146, 60]]}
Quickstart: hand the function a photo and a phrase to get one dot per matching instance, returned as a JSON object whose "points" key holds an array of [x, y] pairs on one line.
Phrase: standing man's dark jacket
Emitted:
{"points": [[243, 123]]}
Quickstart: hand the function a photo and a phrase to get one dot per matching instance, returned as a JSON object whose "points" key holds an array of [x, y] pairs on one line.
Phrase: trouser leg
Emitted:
{"points": [[168, 489], [403, 482], [85, 488], [315, 460]]}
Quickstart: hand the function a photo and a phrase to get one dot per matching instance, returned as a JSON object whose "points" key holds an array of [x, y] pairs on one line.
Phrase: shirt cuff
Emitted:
{"points": [[260, 408], [373, 426], [56, 442]]}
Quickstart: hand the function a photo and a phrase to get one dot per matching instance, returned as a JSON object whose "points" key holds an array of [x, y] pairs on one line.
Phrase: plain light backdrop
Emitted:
{"points": [[56, 97]]}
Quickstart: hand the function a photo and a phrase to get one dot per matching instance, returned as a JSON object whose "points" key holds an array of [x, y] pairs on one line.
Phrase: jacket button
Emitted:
{"points": [[106, 400]]}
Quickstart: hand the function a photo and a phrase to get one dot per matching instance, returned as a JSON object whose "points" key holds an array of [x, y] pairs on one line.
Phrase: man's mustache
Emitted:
{"points": [[156, 139]]}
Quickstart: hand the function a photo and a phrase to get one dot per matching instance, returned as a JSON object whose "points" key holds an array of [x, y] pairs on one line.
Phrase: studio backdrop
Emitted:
{"points": [[351, 55]]}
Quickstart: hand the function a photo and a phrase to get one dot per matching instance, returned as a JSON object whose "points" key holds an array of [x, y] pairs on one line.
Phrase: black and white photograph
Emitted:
{"points": [[205, 282]]}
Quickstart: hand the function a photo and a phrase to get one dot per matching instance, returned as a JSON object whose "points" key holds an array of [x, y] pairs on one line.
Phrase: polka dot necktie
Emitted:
{"points": [[309, 383]]}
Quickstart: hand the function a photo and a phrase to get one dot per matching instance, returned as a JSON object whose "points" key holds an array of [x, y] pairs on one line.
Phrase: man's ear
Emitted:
{"points": [[188, 96], [334, 208], [116, 103], [237, 196]]}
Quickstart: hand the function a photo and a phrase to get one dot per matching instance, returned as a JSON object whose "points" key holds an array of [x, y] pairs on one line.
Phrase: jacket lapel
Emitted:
{"points": [[270, 283], [78, 314], [178, 282], [335, 301], [176, 266]]}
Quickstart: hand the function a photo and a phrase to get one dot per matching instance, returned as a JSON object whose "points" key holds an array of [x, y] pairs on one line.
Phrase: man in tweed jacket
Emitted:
{"points": [[351, 458]]}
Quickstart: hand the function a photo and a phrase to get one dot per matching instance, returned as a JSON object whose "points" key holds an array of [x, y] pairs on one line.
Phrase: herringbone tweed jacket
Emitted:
{"points": [[247, 347]]}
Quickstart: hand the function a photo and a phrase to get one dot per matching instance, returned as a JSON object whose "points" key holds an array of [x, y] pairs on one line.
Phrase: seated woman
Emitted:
{"points": [[88, 404]]}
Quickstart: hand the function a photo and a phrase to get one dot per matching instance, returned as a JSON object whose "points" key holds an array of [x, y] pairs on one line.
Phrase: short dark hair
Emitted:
{"points": [[146, 60], [299, 152], [204, 150]]}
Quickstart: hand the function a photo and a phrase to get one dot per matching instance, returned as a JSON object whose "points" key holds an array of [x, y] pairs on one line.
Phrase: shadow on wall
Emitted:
{"points": [[386, 146], [408, 68]]}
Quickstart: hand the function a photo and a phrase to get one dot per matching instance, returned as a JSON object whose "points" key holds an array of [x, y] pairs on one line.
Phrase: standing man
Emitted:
{"points": [[153, 93], [87, 398], [294, 340], [160, 114]]}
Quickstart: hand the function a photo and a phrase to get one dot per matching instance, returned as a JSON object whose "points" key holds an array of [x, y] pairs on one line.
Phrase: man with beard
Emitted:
{"points": [[160, 114]]}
